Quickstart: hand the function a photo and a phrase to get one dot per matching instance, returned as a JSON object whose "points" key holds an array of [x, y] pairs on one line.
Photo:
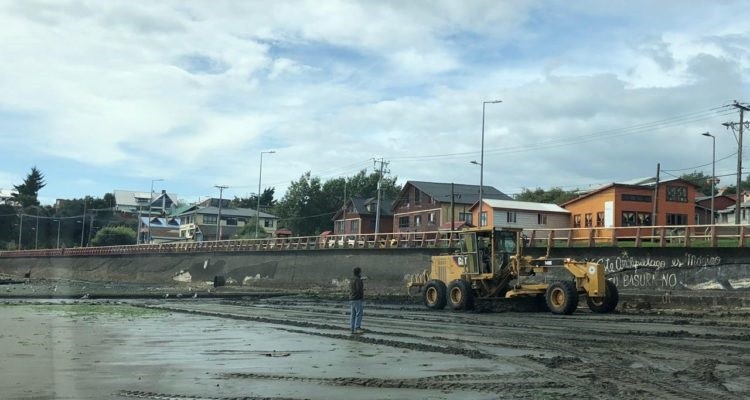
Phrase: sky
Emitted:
{"points": [[112, 95]]}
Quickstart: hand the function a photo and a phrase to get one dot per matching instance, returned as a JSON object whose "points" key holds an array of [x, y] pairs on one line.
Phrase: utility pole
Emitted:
{"points": [[453, 208], [20, 229], [738, 201], [91, 227], [83, 222], [656, 199], [218, 218], [383, 164]]}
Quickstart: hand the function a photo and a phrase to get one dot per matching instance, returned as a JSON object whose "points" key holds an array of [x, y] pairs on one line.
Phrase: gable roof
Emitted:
{"points": [[360, 204], [640, 183], [463, 194], [524, 205], [128, 199], [227, 212]]}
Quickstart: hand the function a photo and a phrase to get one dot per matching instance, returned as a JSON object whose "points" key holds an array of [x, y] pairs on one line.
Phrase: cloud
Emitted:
{"points": [[194, 91]]}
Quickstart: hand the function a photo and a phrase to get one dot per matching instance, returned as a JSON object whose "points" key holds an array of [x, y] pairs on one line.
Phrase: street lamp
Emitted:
{"points": [[713, 174], [481, 161], [260, 175], [150, 203]]}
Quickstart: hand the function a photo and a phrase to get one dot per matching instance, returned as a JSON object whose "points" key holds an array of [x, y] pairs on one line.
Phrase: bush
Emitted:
{"points": [[114, 236]]}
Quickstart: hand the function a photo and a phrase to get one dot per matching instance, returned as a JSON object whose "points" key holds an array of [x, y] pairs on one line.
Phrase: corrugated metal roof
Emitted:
{"points": [[464, 194], [525, 205]]}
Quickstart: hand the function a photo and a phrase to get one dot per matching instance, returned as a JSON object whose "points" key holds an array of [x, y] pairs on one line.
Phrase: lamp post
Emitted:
{"points": [[260, 175], [83, 219], [58, 232], [36, 234], [713, 173], [20, 229], [481, 160], [150, 203]]}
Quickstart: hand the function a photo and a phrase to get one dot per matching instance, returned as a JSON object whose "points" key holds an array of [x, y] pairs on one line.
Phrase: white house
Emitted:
{"points": [[521, 214]]}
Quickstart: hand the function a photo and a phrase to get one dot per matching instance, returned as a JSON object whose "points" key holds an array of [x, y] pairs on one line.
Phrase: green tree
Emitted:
{"points": [[308, 205], [248, 231], [266, 200], [699, 178], [114, 236], [554, 195], [28, 191]]}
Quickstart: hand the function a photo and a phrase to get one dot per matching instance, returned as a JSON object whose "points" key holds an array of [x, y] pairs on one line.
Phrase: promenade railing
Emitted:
{"points": [[636, 236]]}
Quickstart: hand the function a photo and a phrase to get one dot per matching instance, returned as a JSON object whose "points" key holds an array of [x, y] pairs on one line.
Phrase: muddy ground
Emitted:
{"points": [[298, 347]]}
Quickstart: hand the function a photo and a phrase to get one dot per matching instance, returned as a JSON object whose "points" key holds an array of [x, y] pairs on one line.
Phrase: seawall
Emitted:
{"points": [[655, 270]]}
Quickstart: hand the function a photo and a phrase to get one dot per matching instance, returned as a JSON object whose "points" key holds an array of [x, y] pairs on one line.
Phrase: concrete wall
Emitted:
{"points": [[658, 270]]}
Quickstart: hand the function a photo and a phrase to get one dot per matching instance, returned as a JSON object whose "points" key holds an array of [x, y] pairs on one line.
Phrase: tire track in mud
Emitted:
{"points": [[137, 394], [475, 354], [493, 383], [590, 358], [627, 377]]}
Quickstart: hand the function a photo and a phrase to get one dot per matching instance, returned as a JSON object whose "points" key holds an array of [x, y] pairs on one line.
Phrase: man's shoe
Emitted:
{"points": [[359, 331]]}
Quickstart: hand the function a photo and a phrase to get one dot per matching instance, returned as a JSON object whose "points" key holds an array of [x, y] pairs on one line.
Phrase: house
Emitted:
{"points": [[726, 216], [630, 204], [199, 221], [425, 206], [134, 202], [703, 208], [522, 214], [358, 215], [160, 230], [6, 196]]}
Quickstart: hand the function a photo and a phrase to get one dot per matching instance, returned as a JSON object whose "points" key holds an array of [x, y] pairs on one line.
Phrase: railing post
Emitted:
{"points": [[613, 239], [741, 241], [687, 236], [551, 239], [714, 238], [570, 237], [662, 238], [591, 238], [638, 236]]}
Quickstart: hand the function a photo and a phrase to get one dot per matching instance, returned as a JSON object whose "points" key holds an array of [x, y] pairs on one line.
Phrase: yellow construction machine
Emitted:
{"points": [[489, 264]]}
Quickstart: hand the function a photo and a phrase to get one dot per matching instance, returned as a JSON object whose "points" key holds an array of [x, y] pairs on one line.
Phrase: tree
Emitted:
{"points": [[309, 205], [699, 178], [114, 236], [28, 191], [248, 231], [554, 195], [266, 200]]}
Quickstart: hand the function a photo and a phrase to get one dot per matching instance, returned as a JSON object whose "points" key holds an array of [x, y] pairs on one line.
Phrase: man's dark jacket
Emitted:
{"points": [[356, 289]]}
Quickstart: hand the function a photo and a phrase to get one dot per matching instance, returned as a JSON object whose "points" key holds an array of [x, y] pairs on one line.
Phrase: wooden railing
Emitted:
{"points": [[643, 236]]}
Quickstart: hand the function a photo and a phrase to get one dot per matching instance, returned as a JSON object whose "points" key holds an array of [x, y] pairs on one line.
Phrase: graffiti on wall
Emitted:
{"points": [[641, 272]]}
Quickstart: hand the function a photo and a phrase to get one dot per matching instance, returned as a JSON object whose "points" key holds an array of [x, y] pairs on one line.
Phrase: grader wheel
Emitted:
{"points": [[434, 293], [562, 298], [460, 295], [607, 303]]}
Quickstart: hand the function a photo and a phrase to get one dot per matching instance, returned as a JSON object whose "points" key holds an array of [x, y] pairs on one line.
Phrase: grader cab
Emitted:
{"points": [[489, 264]]}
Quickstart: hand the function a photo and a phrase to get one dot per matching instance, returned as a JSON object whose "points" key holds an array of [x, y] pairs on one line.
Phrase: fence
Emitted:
{"points": [[642, 236]]}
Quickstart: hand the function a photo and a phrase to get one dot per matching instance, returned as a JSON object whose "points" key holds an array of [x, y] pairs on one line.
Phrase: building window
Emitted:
{"points": [[676, 219], [511, 216], [466, 217], [588, 220], [354, 226], [417, 220], [268, 223], [677, 194], [483, 219], [644, 219], [636, 197], [541, 219], [340, 227], [628, 218], [600, 219], [417, 197], [231, 221], [431, 218], [577, 221], [403, 222], [209, 219]]}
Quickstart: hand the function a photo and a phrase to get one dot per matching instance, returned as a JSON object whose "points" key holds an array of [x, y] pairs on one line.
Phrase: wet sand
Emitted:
{"points": [[298, 348]]}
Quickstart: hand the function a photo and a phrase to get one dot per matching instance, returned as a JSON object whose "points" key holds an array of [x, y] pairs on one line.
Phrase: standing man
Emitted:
{"points": [[356, 298]]}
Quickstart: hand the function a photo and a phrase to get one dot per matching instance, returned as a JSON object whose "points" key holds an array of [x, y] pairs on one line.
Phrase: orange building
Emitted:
{"points": [[631, 204]]}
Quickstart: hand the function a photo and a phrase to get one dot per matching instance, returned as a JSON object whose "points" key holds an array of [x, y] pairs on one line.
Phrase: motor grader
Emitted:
{"points": [[489, 264]]}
